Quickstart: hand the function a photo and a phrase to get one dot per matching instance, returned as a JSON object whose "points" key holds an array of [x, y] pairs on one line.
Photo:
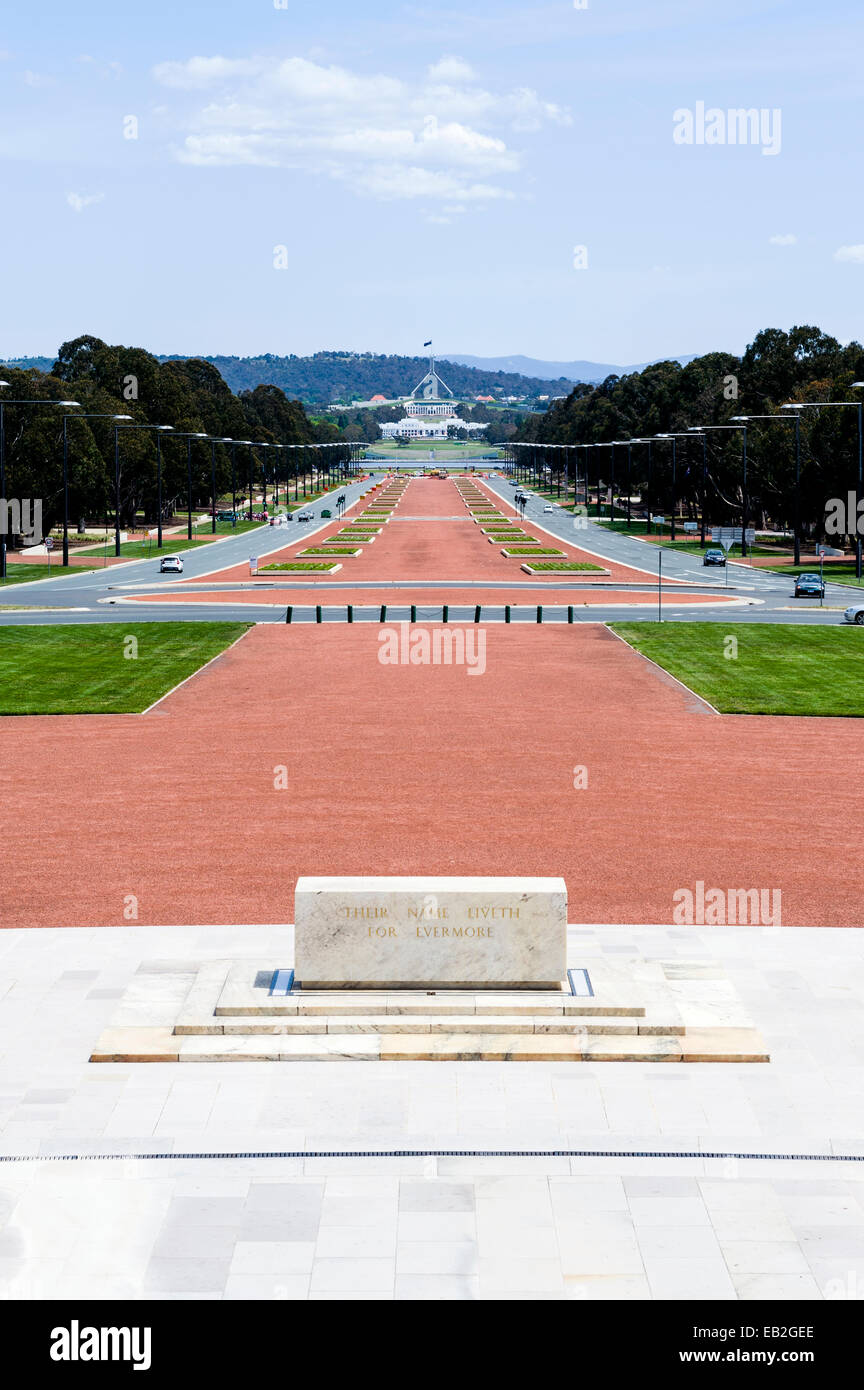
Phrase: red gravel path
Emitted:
{"points": [[423, 769], [430, 549], [281, 597]]}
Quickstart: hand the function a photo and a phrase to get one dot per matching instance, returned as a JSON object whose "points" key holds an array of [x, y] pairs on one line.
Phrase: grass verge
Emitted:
{"points": [[116, 668], [771, 669]]}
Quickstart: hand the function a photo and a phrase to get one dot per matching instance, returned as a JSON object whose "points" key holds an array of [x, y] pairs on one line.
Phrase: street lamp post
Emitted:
{"points": [[629, 488], [796, 420], [819, 405], [66, 471], [645, 499], [161, 429], [745, 500], [196, 434], [233, 443], [212, 486], [251, 466], [695, 433], [3, 404], [674, 438]]}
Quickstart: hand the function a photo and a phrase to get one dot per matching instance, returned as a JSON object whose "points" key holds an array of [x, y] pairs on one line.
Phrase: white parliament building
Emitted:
{"points": [[427, 415]]}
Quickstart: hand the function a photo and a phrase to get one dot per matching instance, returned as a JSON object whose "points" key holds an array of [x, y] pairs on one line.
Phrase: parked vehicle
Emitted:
{"points": [[171, 564]]}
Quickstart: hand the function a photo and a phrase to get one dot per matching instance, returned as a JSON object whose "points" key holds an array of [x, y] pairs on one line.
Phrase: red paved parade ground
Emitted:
{"points": [[425, 769], [434, 547], [431, 547]]}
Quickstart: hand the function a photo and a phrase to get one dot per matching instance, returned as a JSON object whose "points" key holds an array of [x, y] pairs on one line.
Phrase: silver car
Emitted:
{"points": [[854, 614]]}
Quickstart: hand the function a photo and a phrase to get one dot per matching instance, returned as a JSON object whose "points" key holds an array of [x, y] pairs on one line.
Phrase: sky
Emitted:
{"points": [[555, 179]]}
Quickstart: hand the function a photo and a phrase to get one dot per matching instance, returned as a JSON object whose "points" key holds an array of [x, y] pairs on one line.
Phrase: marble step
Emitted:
{"points": [[242, 989], [696, 1045], [426, 1023], [339, 1006]]}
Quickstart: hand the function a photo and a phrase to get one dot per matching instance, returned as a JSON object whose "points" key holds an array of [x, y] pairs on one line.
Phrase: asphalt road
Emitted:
{"points": [[774, 593], [77, 597]]}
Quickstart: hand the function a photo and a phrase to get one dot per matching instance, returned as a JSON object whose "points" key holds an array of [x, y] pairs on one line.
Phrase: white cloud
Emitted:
{"points": [[36, 79], [396, 181], [197, 73], [111, 69], [79, 201], [451, 70], [784, 239], [851, 254], [442, 136]]}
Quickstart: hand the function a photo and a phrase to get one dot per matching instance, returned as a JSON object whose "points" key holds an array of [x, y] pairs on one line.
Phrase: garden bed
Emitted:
{"points": [[302, 567], [539, 566], [329, 550], [515, 550]]}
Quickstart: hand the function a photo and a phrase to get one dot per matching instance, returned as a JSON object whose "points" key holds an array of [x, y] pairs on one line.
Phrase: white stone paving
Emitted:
{"points": [[430, 1227]]}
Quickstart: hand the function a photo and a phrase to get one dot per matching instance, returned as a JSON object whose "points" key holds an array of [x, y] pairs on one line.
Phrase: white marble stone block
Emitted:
{"points": [[419, 932]]}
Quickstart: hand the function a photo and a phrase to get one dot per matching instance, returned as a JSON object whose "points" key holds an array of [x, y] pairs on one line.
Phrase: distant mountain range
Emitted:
{"points": [[324, 377], [556, 371]]}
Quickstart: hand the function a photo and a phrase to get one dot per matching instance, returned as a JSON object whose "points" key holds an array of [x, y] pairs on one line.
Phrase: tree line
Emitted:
{"points": [[801, 365], [189, 395], [326, 377]]}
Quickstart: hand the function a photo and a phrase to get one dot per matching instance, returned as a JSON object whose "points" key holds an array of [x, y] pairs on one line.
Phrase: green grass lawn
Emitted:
{"points": [[86, 670], [690, 545], [560, 566], [171, 545], [778, 669], [24, 574], [838, 572], [302, 567]]}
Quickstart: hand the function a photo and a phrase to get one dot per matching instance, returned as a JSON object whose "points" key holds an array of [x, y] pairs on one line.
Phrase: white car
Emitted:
{"points": [[855, 614], [549, 507], [305, 516], [171, 564]]}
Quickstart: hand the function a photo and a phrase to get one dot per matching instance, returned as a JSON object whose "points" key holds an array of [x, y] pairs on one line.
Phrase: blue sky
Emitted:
{"points": [[429, 172]]}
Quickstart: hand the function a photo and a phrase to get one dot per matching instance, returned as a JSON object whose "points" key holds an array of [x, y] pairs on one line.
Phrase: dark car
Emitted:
{"points": [[809, 585], [714, 557]]}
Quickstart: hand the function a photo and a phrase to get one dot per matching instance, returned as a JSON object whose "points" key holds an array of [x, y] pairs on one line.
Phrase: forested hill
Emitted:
{"points": [[347, 376]]}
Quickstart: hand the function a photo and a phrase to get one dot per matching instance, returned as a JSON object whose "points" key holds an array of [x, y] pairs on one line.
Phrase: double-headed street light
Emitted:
{"points": [[233, 443], [189, 435], [3, 404], [701, 429], [796, 421], [674, 436], [820, 405], [159, 431], [66, 470]]}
